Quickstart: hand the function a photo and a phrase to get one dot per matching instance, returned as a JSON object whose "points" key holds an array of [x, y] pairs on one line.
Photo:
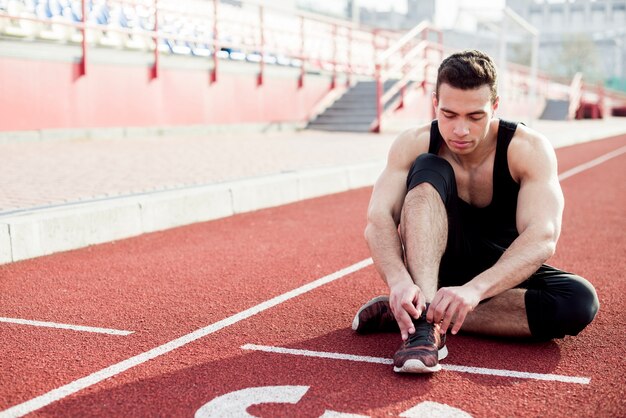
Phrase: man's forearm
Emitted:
{"points": [[523, 258], [386, 249]]}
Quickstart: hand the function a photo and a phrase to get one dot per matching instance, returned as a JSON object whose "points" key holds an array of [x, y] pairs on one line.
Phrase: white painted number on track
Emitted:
{"points": [[429, 409], [235, 404]]}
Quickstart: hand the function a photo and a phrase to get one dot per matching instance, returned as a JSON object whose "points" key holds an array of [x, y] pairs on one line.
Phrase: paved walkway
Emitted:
{"points": [[39, 174], [58, 195], [49, 173]]}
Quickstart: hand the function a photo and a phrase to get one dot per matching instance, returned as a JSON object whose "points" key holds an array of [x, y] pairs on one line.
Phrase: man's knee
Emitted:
{"points": [[566, 310], [584, 306], [437, 172]]}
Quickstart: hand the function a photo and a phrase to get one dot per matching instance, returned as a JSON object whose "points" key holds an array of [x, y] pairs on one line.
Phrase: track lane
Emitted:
{"points": [[328, 325], [164, 285]]}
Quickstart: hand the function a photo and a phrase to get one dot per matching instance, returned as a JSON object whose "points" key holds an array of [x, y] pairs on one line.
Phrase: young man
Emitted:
{"points": [[460, 223]]}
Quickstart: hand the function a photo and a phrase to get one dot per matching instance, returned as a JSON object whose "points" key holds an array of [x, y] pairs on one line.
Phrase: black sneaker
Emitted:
{"points": [[375, 316], [421, 352]]}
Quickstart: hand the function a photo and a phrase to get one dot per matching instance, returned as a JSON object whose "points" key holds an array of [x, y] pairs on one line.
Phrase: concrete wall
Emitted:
{"points": [[43, 90]]}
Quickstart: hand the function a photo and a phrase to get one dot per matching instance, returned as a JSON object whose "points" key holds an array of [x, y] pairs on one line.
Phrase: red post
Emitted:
{"points": [[379, 95], [83, 62], [156, 66], [379, 88], [259, 80], [601, 98], [302, 58], [216, 46], [350, 60], [333, 81], [426, 62], [374, 45]]}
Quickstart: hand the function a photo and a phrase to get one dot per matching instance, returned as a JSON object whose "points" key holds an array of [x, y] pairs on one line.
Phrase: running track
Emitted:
{"points": [[190, 298]]}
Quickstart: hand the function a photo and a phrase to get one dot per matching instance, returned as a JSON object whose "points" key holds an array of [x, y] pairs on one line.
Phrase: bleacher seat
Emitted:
{"points": [[18, 28], [239, 31]]}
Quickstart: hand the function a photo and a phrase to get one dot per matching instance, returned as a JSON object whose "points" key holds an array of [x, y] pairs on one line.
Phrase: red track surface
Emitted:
{"points": [[165, 285]]}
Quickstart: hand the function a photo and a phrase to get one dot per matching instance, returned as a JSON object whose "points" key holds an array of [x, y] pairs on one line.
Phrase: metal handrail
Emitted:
{"points": [[405, 66], [406, 38], [575, 95]]}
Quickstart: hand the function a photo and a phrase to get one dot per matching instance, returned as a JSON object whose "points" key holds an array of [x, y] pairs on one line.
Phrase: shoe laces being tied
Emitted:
{"points": [[424, 332]]}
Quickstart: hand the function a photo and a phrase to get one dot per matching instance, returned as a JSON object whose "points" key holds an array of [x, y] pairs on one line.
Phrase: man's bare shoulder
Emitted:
{"points": [[408, 146], [529, 152]]}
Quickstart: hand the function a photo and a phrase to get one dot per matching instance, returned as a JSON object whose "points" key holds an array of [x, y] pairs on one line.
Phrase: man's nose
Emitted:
{"points": [[461, 129]]}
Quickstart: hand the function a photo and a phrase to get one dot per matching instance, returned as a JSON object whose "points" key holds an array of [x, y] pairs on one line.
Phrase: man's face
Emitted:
{"points": [[463, 116]]}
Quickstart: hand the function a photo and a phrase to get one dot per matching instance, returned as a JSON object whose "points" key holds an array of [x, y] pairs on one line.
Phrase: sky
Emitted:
{"points": [[447, 11]]}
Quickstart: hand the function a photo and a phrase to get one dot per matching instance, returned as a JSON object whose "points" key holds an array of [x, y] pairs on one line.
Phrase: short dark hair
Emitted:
{"points": [[468, 70]]}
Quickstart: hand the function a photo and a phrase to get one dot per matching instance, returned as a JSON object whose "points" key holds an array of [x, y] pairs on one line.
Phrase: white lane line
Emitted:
{"points": [[90, 380], [449, 367], [597, 161], [321, 354], [65, 326]]}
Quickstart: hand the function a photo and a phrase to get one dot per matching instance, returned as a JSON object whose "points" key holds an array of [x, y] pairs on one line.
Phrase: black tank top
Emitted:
{"points": [[496, 222]]}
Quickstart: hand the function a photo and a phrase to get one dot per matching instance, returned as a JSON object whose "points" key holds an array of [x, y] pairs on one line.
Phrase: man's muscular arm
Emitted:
{"points": [[532, 162], [381, 233]]}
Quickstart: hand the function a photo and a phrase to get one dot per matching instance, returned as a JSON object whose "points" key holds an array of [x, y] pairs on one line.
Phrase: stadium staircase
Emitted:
{"points": [[555, 110], [355, 111]]}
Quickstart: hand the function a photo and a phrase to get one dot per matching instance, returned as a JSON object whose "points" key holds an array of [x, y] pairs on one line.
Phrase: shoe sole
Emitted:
{"points": [[355, 321], [416, 366]]}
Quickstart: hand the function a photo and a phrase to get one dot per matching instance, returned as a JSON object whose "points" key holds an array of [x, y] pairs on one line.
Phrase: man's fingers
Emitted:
{"points": [[447, 318], [410, 308], [458, 323], [405, 324], [420, 305], [437, 309], [430, 315]]}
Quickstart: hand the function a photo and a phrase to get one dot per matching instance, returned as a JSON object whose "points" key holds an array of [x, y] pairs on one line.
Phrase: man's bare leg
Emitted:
{"points": [[424, 232], [503, 315]]}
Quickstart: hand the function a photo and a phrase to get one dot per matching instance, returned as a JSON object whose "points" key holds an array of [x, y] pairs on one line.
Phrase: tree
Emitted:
{"points": [[580, 54]]}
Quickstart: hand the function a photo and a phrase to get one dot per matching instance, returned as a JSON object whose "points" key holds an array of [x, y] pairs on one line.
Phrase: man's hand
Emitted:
{"points": [[406, 300], [452, 304]]}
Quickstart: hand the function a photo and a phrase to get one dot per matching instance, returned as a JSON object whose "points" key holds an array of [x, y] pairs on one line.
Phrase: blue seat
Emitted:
{"points": [[54, 9]]}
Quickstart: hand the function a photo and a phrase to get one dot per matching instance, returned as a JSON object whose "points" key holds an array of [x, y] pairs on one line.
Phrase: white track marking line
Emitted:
{"points": [[65, 326], [597, 161], [90, 380], [449, 367]]}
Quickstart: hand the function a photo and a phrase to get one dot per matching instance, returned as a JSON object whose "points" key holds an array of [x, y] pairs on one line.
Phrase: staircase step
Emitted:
{"points": [[341, 128], [353, 112], [350, 119], [367, 107], [346, 110], [555, 110]]}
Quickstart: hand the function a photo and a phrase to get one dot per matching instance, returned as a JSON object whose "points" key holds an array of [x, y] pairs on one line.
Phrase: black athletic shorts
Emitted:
{"points": [[558, 303]]}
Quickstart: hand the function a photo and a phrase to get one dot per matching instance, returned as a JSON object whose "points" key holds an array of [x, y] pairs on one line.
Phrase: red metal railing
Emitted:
{"points": [[341, 45], [335, 47]]}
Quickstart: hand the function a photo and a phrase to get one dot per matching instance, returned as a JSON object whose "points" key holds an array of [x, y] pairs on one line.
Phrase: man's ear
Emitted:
{"points": [[435, 101], [496, 103]]}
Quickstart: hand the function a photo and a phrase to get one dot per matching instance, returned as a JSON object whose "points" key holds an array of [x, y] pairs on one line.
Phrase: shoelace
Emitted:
{"points": [[423, 330]]}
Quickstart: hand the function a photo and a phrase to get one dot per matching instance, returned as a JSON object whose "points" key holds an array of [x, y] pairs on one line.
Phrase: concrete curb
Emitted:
{"points": [[7, 137], [41, 232]]}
